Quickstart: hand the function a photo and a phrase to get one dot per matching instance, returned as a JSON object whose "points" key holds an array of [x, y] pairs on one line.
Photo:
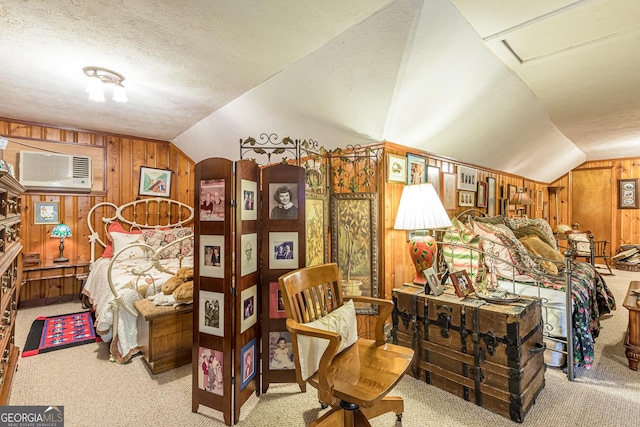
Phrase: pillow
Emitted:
{"points": [[490, 219], [581, 243], [159, 237], [507, 251], [114, 227], [120, 240], [531, 230], [459, 258], [537, 247], [341, 320], [540, 224]]}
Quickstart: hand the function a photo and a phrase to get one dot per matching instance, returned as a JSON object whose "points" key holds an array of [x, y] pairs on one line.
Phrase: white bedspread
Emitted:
{"points": [[98, 290]]}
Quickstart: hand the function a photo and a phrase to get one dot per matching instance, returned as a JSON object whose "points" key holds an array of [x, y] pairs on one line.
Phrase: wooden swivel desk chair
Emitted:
{"points": [[354, 380], [584, 246]]}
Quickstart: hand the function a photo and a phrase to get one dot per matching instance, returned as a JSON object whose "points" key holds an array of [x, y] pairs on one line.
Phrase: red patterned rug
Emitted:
{"points": [[58, 332]]}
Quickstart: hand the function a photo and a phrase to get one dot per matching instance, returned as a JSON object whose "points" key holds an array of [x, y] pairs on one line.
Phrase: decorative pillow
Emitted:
{"points": [[120, 240], [542, 226], [581, 243], [343, 321], [490, 219], [159, 237], [538, 248], [114, 227], [459, 258], [509, 255], [530, 230]]}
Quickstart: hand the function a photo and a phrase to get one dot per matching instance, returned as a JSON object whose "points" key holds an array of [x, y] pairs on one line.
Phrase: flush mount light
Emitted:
{"points": [[98, 77]]}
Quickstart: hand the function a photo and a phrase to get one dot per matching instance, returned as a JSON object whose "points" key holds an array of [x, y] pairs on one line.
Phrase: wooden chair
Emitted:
{"points": [[356, 380], [584, 246]]}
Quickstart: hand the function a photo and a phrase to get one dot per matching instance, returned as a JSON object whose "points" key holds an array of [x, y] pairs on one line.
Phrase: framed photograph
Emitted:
{"points": [[283, 200], [511, 191], [212, 200], [248, 258], [491, 196], [317, 212], [249, 301], [461, 283], [155, 182], [211, 313], [466, 198], [539, 200], [481, 202], [433, 177], [248, 363], [280, 351], [212, 256], [416, 169], [248, 210], [355, 244], [46, 213], [396, 168], [433, 284], [467, 178], [449, 190], [284, 250], [628, 193], [276, 303], [210, 377]]}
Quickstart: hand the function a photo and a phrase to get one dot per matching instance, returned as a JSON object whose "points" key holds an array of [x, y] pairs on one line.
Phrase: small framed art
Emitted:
{"points": [[249, 300], [155, 182], [280, 351], [449, 190], [628, 193], [433, 177], [248, 355], [467, 178], [491, 196], [539, 200], [210, 377], [284, 250], [276, 303], [416, 169], [211, 313], [248, 258], [249, 191], [283, 200], [212, 200], [466, 198], [46, 213], [462, 283], [433, 284], [212, 256], [396, 168], [481, 202]]}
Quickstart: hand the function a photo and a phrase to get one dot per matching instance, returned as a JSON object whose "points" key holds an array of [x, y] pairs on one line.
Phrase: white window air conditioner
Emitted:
{"points": [[55, 172]]}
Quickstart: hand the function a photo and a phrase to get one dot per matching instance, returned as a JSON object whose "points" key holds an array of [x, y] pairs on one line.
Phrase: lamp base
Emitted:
{"points": [[61, 259], [423, 250]]}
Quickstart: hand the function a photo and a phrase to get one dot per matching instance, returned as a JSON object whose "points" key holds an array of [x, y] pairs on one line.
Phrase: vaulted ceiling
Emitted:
{"points": [[529, 87]]}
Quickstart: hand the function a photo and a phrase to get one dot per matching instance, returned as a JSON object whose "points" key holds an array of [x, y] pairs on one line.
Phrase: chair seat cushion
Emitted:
{"points": [[366, 372], [310, 349]]}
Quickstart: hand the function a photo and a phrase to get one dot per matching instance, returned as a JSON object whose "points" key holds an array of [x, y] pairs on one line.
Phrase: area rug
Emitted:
{"points": [[58, 332]]}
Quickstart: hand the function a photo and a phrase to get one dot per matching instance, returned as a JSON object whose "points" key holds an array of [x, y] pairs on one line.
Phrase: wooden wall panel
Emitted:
{"points": [[123, 157]]}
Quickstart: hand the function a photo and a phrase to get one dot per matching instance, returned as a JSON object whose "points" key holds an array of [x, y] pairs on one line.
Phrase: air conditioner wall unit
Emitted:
{"points": [[55, 172]]}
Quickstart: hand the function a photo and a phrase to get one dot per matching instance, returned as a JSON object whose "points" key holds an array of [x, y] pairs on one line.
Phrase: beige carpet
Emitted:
{"points": [[96, 392]]}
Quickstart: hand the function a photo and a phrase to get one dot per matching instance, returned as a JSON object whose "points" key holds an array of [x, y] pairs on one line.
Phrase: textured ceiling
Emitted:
{"points": [[532, 88]]}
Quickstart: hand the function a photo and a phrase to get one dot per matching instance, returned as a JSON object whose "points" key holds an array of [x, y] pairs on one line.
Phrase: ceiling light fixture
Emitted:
{"points": [[98, 77]]}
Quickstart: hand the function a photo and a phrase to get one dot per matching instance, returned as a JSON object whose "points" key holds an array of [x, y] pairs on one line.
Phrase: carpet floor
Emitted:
{"points": [[97, 392]]}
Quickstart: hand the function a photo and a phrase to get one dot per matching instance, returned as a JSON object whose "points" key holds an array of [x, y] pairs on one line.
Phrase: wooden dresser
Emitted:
{"points": [[489, 354], [165, 335], [10, 277]]}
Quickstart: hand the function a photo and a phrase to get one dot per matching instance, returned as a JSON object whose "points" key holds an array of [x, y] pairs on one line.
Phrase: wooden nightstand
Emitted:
{"points": [[632, 339], [51, 283]]}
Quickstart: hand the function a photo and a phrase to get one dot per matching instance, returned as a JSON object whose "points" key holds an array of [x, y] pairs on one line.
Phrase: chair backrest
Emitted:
{"points": [[580, 242], [311, 292]]}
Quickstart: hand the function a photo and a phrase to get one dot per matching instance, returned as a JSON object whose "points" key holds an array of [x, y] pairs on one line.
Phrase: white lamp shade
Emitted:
{"points": [[119, 94], [421, 209]]}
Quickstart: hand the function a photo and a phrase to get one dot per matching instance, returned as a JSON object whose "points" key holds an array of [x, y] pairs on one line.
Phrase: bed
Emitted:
{"points": [[141, 246], [521, 255]]}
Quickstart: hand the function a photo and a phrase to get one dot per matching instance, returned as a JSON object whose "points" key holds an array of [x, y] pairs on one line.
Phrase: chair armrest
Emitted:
{"points": [[386, 307], [325, 382]]}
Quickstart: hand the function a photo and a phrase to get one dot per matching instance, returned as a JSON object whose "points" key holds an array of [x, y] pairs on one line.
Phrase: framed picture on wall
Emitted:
{"points": [[481, 202], [46, 213], [416, 169], [155, 182], [449, 190], [491, 196], [467, 178], [396, 168], [433, 177], [539, 200], [628, 193], [466, 198]]}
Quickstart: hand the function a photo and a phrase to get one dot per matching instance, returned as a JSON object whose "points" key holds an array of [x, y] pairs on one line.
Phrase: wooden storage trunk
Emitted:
{"points": [[489, 354]]}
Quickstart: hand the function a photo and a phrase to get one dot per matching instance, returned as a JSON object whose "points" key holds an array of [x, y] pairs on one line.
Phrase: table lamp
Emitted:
{"points": [[61, 231], [421, 210], [520, 200]]}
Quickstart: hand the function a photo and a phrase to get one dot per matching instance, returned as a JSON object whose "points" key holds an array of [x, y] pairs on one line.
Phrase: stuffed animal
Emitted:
{"points": [[176, 281], [184, 292]]}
